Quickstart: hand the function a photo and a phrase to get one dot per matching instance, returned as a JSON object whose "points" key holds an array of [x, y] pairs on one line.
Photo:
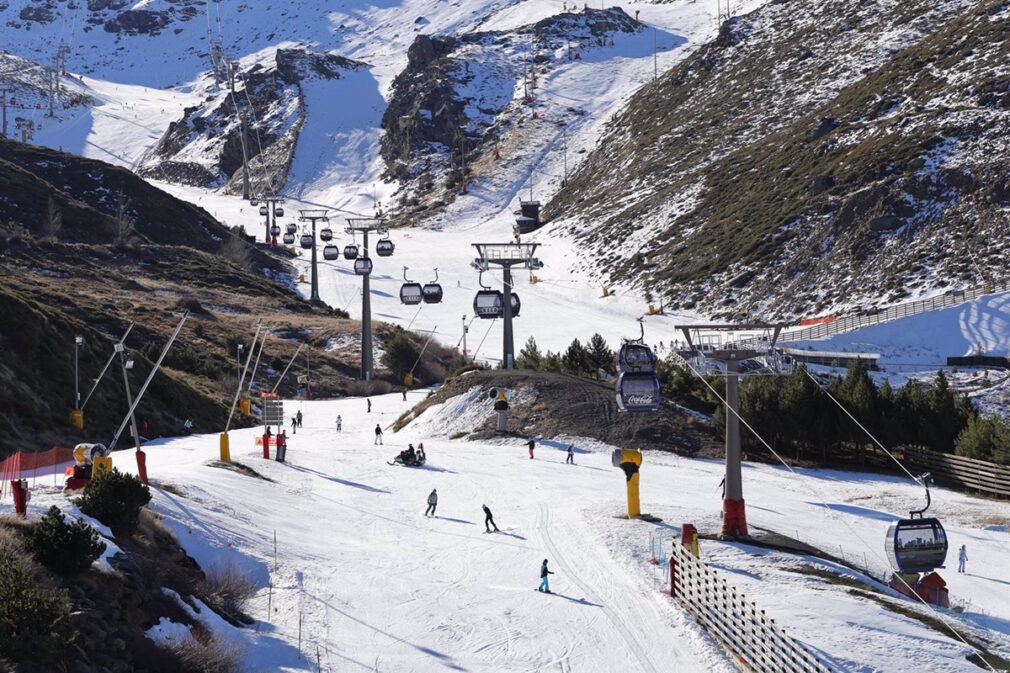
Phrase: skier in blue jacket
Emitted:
{"points": [[545, 586]]}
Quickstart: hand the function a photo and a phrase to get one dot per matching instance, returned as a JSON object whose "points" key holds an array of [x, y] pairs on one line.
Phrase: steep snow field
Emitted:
{"points": [[377, 586]]}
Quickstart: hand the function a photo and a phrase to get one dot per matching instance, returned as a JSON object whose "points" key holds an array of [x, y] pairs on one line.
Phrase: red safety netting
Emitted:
{"points": [[818, 321], [25, 465]]}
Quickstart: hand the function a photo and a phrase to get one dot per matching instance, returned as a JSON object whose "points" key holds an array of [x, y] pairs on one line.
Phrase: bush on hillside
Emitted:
{"points": [[400, 354], [67, 549], [28, 612], [115, 499]]}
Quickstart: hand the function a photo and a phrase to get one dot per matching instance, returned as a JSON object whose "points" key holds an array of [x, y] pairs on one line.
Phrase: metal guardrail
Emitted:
{"points": [[969, 473], [754, 641]]}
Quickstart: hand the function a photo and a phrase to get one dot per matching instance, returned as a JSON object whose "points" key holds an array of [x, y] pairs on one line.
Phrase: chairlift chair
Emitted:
{"points": [[331, 252], [363, 266], [432, 292], [275, 230], [289, 239], [326, 234], [411, 293], [307, 241], [350, 251], [917, 544], [263, 210], [384, 247]]}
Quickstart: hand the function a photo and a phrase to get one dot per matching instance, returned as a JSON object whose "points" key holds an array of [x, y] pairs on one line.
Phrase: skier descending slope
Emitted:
{"points": [[489, 520], [545, 586], [378, 434], [432, 503]]}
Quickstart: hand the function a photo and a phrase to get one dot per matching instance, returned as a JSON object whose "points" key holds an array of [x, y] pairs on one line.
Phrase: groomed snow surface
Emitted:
{"points": [[377, 586]]}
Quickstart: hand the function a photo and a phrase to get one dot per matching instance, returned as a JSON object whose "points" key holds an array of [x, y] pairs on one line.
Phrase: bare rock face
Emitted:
{"points": [[137, 22]]}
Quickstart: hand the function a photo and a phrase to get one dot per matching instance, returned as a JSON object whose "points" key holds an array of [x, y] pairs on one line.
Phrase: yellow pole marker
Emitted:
{"points": [[630, 460], [225, 448]]}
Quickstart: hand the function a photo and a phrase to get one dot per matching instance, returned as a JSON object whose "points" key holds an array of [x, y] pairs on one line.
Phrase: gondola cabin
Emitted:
{"points": [[350, 251], [411, 294], [637, 392], [275, 230], [307, 241], [384, 248], [488, 304], [917, 545], [331, 252], [635, 357], [432, 293], [363, 266], [289, 239], [292, 228], [326, 234], [278, 212], [264, 211]]}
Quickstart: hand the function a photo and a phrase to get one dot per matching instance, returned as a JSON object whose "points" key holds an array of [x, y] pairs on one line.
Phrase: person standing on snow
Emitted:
{"points": [[489, 519], [962, 557], [570, 460], [340, 423], [188, 426], [545, 586], [531, 444], [294, 425], [369, 405], [378, 435], [299, 417], [432, 503], [404, 394]]}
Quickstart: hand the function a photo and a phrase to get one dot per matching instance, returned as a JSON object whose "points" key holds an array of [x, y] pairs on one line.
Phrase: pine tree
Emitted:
{"points": [[600, 355], [530, 356], [575, 359]]}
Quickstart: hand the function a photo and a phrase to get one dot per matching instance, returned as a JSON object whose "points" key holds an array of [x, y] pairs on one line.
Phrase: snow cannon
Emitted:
{"points": [[501, 406], [629, 460], [224, 447], [85, 458]]}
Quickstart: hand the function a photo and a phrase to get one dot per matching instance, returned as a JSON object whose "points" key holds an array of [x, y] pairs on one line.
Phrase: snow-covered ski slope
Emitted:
{"points": [[379, 587]]}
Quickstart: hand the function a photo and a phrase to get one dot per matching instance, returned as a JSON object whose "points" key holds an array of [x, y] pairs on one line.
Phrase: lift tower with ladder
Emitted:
{"points": [[363, 268]]}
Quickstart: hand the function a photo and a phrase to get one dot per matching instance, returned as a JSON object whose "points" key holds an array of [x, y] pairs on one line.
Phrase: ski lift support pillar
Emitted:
{"points": [[314, 216], [734, 516], [506, 255], [365, 226]]}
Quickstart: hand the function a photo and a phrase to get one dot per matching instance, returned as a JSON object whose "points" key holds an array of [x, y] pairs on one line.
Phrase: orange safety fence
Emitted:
{"points": [[818, 321], [31, 465]]}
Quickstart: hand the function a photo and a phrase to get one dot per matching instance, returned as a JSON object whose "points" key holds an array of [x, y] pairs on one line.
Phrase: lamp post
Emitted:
{"points": [[78, 342]]}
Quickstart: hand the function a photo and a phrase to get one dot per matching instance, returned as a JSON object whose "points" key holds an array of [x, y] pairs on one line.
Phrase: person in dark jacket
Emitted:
{"points": [[378, 434], [570, 460], [544, 584], [432, 503], [531, 444], [489, 519]]}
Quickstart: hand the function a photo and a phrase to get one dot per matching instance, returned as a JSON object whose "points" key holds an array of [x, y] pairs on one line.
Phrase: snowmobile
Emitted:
{"points": [[408, 459]]}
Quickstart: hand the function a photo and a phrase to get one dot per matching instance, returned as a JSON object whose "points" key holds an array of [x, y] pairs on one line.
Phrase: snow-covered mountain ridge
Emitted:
{"points": [[814, 156]]}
